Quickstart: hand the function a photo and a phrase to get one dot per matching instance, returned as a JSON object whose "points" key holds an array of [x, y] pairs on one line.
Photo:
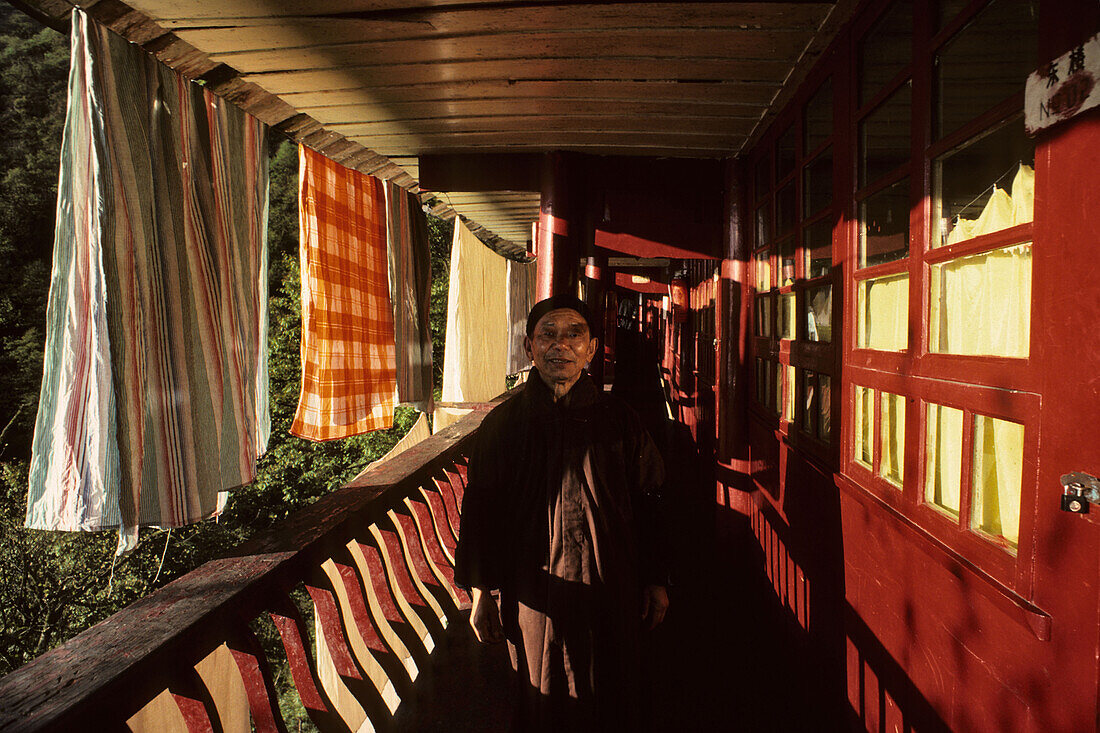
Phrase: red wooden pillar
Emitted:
{"points": [[596, 274], [561, 228], [734, 300]]}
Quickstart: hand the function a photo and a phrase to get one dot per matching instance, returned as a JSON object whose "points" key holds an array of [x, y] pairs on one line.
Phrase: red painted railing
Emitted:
{"points": [[376, 560]]}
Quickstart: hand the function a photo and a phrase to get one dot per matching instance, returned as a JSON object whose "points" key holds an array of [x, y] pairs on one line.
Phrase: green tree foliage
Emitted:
{"points": [[54, 585]]}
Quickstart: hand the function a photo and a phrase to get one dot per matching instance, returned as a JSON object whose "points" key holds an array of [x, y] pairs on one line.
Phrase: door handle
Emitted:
{"points": [[1078, 491]]}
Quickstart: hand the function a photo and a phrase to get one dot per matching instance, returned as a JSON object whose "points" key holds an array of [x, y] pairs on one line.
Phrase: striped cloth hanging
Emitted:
{"points": [[410, 277], [521, 298], [154, 393], [349, 379]]}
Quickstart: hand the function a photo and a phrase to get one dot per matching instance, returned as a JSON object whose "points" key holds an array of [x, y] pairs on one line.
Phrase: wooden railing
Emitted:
{"points": [[375, 558]]}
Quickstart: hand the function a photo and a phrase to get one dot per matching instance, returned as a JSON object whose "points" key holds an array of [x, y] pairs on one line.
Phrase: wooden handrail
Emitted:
{"points": [[375, 558]]}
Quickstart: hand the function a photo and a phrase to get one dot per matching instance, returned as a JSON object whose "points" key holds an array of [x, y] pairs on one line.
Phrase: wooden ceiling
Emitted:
{"points": [[396, 79]]}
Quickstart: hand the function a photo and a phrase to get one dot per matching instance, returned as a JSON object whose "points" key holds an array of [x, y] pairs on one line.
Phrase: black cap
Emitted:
{"points": [[554, 302]]}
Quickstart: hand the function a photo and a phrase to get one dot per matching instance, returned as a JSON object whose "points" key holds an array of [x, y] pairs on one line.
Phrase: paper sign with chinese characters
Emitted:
{"points": [[1064, 87]]}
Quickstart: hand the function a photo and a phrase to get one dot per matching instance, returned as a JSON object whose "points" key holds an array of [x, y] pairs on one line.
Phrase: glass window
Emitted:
{"points": [[819, 313], [943, 458], [883, 313], [884, 225], [997, 476], [788, 404], [785, 210], [762, 179], [864, 426], [764, 316], [780, 386], [785, 316], [884, 137], [817, 183], [817, 124], [761, 382], [985, 63], [786, 261], [817, 243], [824, 417], [884, 49], [763, 268], [785, 154], [763, 224], [808, 415], [981, 304], [891, 464], [986, 185]]}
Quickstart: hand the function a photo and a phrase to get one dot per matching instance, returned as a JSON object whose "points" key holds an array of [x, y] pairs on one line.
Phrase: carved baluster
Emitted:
{"points": [[442, 482], [428, 525], [448, 539], [195, 703], [293, 632], [413, 606], [443, 605], [259, 685]]}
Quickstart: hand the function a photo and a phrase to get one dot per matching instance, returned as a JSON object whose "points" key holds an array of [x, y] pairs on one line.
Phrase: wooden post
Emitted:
{"points": [[560, 228], [732, 327]]}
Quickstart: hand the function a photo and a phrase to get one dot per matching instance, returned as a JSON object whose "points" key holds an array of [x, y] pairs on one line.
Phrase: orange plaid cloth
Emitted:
{"points": [[349, 375]]}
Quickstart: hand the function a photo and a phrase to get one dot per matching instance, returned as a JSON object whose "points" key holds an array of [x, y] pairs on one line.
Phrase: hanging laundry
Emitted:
{"points": [[349, 377], [410, 278], [521, 297], [154, 391], [476, 348]]}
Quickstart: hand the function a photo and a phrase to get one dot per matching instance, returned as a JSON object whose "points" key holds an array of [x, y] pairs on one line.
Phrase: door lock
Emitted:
{"points": [[1078, 491]]}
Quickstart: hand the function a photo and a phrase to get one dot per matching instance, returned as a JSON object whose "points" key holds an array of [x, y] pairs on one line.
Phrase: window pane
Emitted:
{"points": [[788, 405], [761, 382], [785, 316], [892, 458], [785, 210], [817, 243], [943, 458], [981, 304], [985, 63], [786, 261], [883, 308], [998, 471], [884, 139], [864, 425], [809, 416], [985, 186], [763, 224], [769, 383], [780, 373], [824, 422], [819, 313], [817, 183], [762, 178], [884, 225], [764, 316], [785, 154], [884, 50], [763, 268], [818, 121]]}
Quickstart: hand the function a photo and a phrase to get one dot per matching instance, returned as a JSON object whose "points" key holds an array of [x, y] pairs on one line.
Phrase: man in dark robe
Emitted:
{"points": [[561, 515]]}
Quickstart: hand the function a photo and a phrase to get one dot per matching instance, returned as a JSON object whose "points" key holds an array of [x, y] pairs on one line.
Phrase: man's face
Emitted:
{"points": [[561, 347]]}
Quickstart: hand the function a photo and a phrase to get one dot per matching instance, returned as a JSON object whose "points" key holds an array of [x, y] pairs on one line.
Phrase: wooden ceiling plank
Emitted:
{"points": [[471, 19], [696, 44], [503, 89], [521, 125], [641, 69], [383, 112]]}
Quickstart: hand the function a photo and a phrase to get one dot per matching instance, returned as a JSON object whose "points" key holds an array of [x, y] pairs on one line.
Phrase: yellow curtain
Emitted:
{"points": [[943, 455], [997, 476], [1003, 209], [884, 313], [865, 425], [891, 462]]}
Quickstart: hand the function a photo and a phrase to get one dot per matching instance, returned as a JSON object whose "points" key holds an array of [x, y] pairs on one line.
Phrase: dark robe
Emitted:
{"points": [[561, 515]]}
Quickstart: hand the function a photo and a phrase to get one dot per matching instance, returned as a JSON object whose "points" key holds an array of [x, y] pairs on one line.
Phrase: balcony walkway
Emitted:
{"points": [[721, 661]]}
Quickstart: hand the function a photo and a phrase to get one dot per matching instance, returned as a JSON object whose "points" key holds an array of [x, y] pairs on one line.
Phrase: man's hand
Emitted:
{"points": [[654, 605], [485, 618]]}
